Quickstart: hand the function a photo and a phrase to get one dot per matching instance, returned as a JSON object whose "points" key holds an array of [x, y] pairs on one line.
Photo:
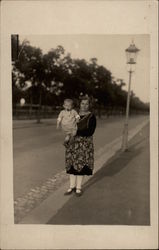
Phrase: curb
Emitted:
{"points": [[50, 206]]}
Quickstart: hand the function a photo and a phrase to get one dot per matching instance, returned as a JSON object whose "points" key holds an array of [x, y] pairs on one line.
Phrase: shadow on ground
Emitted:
{"points": [[116, 164], [118, 194]]}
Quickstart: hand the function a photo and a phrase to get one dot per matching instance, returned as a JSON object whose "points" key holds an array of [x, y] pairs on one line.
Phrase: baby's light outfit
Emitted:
{"points": [[68, 120]]}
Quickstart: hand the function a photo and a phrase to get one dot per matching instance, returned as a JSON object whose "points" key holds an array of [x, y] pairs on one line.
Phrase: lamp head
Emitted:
{"points": [[131, 53]]}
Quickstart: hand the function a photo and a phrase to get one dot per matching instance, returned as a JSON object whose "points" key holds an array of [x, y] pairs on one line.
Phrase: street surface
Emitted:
{"points": [[39, 154], [118, 194]]}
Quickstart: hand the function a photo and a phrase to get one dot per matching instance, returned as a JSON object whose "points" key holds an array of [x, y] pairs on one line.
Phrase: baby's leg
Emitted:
{"points": [[72, 134], [67, 138], [74, 130], [67, 133]]}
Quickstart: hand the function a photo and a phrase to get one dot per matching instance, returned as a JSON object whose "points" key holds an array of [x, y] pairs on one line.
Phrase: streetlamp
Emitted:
{"points": [[131, 54]]}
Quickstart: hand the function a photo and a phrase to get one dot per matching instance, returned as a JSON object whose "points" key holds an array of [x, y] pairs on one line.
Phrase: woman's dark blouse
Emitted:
{"points": [[89, 126]]}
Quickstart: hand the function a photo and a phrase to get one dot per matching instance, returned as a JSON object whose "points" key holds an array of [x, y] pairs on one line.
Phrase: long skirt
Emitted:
{"points": [[79, 156]]}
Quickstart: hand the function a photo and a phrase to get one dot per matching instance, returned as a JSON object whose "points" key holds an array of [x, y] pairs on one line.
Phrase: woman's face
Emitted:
{"points": [[84, 105]]}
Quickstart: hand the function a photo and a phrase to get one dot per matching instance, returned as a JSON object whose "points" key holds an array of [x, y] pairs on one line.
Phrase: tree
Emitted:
{"points": [[55, 76], [30, 64]]}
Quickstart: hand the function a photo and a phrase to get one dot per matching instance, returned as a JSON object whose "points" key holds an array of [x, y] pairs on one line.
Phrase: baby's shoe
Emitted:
{"points": [[66, 143]]}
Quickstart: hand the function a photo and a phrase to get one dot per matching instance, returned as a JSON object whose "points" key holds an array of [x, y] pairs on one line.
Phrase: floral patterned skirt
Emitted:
{"points": [[79, 156]]}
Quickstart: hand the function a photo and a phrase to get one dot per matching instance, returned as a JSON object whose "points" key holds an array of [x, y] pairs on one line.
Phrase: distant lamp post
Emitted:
{"points": [[131, 54]]}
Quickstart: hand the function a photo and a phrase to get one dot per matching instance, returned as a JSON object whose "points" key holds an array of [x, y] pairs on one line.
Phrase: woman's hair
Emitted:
{"points": [[85, 98], [89, 101]]}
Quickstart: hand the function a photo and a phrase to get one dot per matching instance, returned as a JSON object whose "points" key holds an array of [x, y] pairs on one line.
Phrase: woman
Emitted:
{"points": [[79, 155]]}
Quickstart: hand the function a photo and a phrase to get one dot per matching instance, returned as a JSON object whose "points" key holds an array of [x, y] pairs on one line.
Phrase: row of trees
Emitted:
{"points": [[46, 79]]}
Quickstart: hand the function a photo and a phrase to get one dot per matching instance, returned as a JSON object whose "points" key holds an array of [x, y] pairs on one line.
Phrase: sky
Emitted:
{"points": [[109, 51]]}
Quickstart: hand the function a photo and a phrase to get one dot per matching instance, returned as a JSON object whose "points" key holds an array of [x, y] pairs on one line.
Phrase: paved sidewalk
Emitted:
{"points": [[118, 194], [45, 201]]}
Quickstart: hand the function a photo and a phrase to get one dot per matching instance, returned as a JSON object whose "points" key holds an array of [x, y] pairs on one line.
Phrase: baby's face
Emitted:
{"points": [[67, 106]]}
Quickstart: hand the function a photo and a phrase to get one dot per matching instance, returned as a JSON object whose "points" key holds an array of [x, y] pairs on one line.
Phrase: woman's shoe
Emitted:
{"points": [[78, 192], [70, 191]]}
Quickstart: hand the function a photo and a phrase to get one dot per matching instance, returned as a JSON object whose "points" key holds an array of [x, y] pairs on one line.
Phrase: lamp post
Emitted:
{"points": [[131, 53]]}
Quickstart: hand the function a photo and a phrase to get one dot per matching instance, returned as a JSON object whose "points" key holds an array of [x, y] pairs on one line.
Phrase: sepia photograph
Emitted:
{"points": [[79, 124], [81, 129]]}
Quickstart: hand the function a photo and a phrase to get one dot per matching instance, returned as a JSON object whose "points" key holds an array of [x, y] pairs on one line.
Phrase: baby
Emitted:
{"points": [[68, 119]]}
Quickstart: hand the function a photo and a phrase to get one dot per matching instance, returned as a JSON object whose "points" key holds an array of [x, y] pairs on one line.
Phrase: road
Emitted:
{"points": [[38, 152]]}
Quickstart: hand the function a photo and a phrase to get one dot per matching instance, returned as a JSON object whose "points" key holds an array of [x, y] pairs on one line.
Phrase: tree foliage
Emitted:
{"points": [[49, 78]]}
